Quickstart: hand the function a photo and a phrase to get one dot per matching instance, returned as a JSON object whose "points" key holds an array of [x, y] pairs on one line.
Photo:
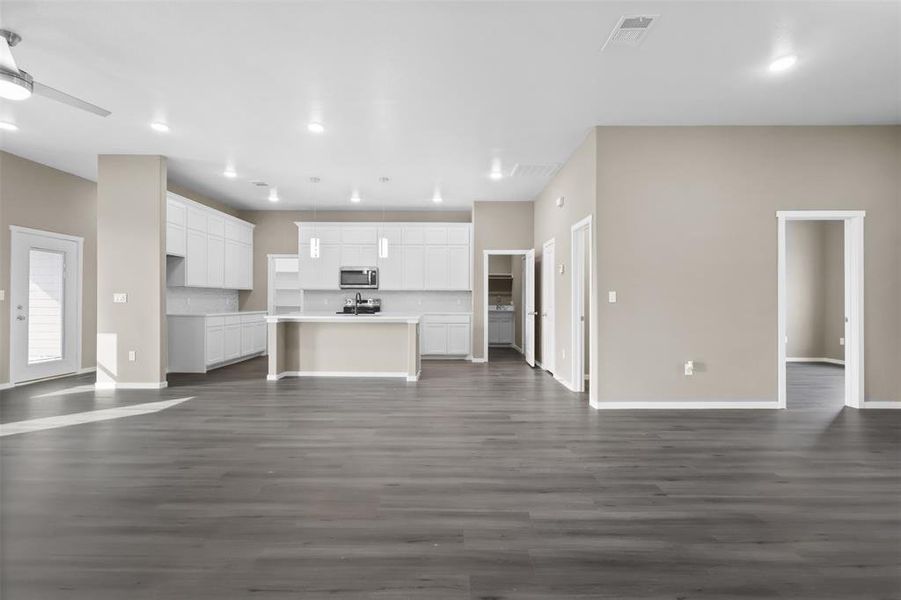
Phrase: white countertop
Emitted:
{"points": [[331, 317], [218, 314]]}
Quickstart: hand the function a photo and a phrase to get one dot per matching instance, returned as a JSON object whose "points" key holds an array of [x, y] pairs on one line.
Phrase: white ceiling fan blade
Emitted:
{"points": [[48, 92]]}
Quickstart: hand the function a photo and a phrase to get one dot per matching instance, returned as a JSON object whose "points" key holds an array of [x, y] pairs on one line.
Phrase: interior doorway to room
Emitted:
{"points": [[509, 319], [547, 310], [45, 304], [820, 309], [581, 302]]}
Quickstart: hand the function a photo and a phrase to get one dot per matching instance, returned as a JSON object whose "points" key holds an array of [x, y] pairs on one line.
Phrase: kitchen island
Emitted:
{"points": [[337, 345]]}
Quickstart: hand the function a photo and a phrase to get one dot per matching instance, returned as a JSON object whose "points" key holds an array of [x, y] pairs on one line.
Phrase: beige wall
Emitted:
{"points": [[687, 236], [815, 294], [276, 233], [131, 228], [496, 226], [577, 183], [40, 197]]}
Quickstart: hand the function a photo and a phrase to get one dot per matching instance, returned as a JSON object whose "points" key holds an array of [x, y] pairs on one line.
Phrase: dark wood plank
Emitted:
{"points": [[480, 481]]}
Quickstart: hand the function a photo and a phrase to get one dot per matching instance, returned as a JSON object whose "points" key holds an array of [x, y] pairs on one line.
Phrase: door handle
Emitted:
{"points": [[532, 313], [20, 317]]}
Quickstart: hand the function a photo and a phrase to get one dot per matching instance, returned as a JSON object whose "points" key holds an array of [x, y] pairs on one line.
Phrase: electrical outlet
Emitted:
{"points": [[689, 367], [120, 298], [131, 356], [611, 297], [841, 341]]}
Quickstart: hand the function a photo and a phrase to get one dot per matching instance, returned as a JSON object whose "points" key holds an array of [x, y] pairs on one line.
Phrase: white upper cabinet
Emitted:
{"points": [[410, 256], [217, 248], [176, 226], [436, 268]]}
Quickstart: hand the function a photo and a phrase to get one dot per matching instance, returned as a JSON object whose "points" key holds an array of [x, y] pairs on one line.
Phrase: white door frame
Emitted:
{"points": [[548, 359], [577, 377], [854, 307], [15, 231], [486, 304]]}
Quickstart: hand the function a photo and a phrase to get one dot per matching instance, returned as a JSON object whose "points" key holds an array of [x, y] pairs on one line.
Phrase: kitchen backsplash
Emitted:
{"points": [[396, 302], [186, 300]]}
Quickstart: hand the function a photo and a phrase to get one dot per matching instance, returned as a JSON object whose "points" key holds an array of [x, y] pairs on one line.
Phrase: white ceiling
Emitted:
{"points": [[424, 93]]}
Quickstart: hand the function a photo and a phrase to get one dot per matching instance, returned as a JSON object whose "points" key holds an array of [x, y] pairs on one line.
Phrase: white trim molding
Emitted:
{"points": [[689, 405], [804, 359], [853, 294], [385, 374], [882, 404], [118, 385]]}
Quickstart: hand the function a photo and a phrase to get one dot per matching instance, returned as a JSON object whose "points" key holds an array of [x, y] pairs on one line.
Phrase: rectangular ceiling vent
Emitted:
{"points": [[547, 170], [259, 183], [630, 31]]}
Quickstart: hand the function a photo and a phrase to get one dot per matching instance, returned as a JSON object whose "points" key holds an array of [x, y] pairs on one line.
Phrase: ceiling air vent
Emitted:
{"points": [[630, 31], [259, 183], [547, 170]]}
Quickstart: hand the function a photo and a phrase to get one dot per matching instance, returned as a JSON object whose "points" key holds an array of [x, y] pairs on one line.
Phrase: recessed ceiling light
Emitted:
{"points": [[437, 199], [783, 63], [230, 172], [159, 126], [273, 195], [355, 197], [7, 126], [316, 127], [495, 175]]}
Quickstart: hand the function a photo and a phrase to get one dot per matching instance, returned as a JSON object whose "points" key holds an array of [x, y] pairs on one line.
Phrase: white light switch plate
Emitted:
{"points": [[2, 295], [120, 298], [611, 297], [131, 355]]}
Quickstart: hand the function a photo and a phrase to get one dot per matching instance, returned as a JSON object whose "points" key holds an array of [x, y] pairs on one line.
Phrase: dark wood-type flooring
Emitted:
{"points": [[481, 481]]}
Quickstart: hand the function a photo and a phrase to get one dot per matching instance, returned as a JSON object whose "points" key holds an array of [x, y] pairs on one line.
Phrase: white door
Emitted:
{"points": [[45, 301], [548, 262], [528, 336]]}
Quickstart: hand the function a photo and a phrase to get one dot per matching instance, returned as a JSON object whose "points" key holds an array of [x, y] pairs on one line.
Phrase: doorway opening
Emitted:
{"points": [[45, 304], [820, 315], [509, 318], [581, 245]]}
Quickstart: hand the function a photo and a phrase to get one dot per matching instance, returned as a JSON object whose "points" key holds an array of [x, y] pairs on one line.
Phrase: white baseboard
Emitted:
{"points": [[831, 361], [414, 378], [82, 371], [118, 385], [688, 405], [882, 404], [396, 374], [517, 348]]}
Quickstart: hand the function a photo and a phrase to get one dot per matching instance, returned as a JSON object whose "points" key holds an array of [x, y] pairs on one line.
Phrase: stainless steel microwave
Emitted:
{"points": [[359, 278]]}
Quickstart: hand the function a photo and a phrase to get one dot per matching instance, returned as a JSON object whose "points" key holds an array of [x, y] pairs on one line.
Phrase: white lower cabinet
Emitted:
{"points": [[200, 342], [445, 335], [232, 338], [500, 328]]}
